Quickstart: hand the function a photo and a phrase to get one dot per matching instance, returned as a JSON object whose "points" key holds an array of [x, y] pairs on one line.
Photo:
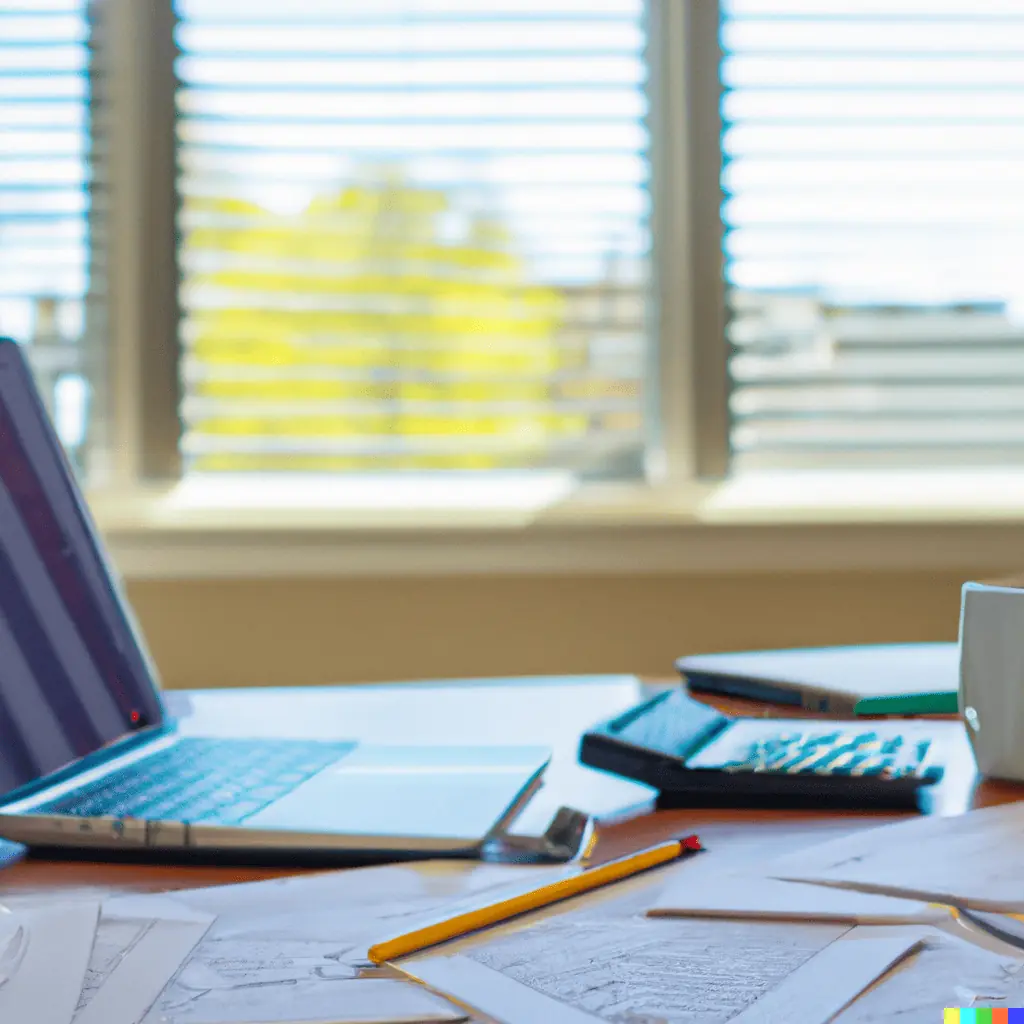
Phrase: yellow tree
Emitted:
{"points": [[353, 336]]}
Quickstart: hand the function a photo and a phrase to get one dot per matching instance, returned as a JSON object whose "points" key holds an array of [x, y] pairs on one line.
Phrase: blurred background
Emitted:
{"points": [[472, 254]]}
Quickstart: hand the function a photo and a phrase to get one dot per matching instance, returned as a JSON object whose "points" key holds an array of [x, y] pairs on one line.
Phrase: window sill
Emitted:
{"points": [[968, 521]]}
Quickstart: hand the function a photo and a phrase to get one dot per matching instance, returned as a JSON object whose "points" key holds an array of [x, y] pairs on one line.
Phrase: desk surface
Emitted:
{"points": [[616, 839]]}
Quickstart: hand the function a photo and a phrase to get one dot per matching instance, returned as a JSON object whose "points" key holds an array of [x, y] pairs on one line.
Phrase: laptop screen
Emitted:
{"points": [[74, 676]]}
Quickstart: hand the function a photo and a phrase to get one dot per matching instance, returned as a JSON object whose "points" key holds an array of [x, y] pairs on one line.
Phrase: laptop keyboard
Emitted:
{"points": [[202, 781]]}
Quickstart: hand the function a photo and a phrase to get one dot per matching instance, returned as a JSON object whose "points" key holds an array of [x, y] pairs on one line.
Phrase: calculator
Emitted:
{"points": [[687, 750]]}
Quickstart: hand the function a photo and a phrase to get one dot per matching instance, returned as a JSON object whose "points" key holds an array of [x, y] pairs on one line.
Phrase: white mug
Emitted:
{"points": [[992, 677]]}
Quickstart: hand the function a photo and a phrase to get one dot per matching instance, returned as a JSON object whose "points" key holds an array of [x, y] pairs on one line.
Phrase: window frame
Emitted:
{"points": [[685, 411], [691, 351], [138, 61]]}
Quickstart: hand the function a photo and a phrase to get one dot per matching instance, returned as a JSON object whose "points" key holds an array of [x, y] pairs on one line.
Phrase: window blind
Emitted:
{"points": [[51, 281], [874, 224], [414, 234]]}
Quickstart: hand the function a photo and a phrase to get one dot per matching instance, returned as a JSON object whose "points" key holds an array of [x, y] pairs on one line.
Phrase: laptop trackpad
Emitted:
{"points": [[433, 792]]}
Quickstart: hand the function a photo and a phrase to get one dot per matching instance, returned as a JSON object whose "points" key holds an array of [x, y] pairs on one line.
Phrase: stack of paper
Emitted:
{"points": [[161, 960], [905, 873], [292, 951], [602, 962], [90, 964]]}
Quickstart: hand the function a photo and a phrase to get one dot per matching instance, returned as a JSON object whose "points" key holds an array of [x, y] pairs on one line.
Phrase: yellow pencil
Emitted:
{"points": [[451, 927]]}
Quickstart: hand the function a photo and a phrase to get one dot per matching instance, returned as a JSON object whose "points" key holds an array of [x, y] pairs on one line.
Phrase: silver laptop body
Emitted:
{"points": [[89, 759]]}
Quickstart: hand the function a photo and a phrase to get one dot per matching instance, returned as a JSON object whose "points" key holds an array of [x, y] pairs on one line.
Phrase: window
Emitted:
{"points": [[51, 205], [874, 230], [413, 235], [479, 235]]}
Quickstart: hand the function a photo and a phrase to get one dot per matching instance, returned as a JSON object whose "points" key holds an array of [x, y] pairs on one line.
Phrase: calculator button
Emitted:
{"points": [[822, 765], [871, 765], [839, 765], [831, 737]]}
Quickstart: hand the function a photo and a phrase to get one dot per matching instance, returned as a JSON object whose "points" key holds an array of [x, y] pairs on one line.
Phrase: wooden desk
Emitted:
{"points": [[734, 833], [645, 829]]}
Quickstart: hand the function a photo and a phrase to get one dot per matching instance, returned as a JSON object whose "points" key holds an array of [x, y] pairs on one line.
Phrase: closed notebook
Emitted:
{"points": [[827, 679]]}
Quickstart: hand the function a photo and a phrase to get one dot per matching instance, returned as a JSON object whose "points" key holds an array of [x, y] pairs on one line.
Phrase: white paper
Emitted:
{"points": [[135, 956], [13, 935], [46, 985], [363, 1001], [487, 991], [946, 971], [157, 906], [113, 941], [741, 896], [606, 962], [820, 988], [354, 906], [971, 860], [811, 994], [13, 947]]}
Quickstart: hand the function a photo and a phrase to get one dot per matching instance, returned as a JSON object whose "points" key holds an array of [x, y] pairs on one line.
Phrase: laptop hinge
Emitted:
{"points": [[567, 837]]}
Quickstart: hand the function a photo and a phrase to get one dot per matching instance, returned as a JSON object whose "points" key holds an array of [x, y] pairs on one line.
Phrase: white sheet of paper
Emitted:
{"points": [[165, 907], [812, 994], [375, 900], [46, 985], [947, 971], [608, 961], [833, 978], [742, 896], [971, 860], [142, 953], [492, 993], [362, 1001], [13, 934]]}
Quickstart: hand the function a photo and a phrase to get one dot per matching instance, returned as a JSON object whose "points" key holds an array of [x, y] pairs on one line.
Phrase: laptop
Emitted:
{"points": [[90, 759], [830, 680]]}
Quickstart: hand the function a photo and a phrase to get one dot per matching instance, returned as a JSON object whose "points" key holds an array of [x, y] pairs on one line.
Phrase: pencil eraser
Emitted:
{"points": [[691, 843]]}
